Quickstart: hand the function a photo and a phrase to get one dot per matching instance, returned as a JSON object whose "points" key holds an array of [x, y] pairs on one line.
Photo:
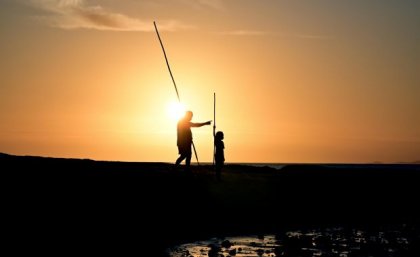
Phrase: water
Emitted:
{"points": [[356, 166], [335, 242], [271, 165], [279, 166]]}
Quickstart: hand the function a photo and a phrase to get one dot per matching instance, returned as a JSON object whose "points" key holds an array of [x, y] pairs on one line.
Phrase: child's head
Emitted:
{"points": [[220, 135]]}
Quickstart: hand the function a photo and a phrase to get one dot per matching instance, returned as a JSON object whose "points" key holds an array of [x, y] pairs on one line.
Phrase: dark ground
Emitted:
{"points": [[57, 206]]}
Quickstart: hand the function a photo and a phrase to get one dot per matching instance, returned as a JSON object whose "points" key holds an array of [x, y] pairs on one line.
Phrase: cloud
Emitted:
{"points": [[78, 14], [244, 33], [216, 4], [315, 37], [200, 4], [276, 34]]}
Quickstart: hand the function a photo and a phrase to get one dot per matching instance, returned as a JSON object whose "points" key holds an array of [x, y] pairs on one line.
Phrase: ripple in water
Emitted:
{"points": [[333, 242]]}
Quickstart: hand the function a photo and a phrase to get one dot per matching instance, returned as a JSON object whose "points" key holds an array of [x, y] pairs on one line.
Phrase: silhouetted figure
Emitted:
{"points": [[184, 139], [219, 156]]}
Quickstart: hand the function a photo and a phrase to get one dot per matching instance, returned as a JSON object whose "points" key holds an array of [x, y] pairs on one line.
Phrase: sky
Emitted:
{"points": [[302, 81]]}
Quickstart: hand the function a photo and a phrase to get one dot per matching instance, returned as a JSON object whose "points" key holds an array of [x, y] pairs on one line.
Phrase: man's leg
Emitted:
{"points": [[180, 159], [188, 162]]}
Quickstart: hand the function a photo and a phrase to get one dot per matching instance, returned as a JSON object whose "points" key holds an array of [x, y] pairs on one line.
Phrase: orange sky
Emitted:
{"points": [[296, 81]]}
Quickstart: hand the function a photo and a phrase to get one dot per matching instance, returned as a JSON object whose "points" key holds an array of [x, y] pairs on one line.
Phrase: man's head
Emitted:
{"points": [[188, 115]]}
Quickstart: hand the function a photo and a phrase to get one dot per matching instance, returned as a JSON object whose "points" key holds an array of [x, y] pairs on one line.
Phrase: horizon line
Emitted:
{"points": [[227, 163]]}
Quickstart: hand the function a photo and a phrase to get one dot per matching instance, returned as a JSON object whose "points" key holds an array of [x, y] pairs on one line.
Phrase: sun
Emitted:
{"points": [[175, 110]]}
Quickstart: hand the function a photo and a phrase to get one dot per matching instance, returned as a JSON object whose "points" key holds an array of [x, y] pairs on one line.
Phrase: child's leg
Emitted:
{"points": [[219, 171]]}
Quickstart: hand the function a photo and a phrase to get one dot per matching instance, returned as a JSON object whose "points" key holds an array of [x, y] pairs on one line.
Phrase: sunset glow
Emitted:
{"points": [[296, 81], [176, 110]]}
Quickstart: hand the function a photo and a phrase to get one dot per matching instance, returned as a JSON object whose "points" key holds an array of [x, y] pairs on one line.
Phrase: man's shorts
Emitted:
{"points": [[184, 149]]}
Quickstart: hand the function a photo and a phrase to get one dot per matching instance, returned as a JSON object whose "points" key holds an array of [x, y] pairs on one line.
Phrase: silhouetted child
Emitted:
{"points": [[219, 156]]}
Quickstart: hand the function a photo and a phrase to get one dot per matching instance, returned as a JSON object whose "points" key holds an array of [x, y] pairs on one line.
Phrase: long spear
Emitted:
{"points": [[214, 128], [173, 80]]}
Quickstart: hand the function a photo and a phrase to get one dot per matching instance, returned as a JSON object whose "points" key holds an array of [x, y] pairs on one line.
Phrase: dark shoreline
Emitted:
{"points": [[142, 208]]}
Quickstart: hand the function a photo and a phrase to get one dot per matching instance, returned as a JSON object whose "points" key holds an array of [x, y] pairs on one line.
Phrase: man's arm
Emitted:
{"points": [[196, 125]]}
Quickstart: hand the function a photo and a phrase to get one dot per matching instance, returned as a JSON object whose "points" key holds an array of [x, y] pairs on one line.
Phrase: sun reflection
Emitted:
{"points": [[175, 110]]}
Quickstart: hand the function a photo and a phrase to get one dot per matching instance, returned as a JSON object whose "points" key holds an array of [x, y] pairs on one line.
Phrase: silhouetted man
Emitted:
{"points": [[184, 139]]}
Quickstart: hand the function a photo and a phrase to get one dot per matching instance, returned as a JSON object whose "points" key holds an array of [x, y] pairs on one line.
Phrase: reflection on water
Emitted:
{"points": [[331, 242]]}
